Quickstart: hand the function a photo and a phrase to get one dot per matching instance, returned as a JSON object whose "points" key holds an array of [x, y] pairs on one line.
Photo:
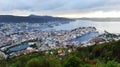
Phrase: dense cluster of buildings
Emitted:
{"points": [[12, 35]]}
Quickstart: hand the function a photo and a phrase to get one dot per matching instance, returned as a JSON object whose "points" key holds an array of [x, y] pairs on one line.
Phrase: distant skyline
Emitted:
{"points": [[61, 8]]}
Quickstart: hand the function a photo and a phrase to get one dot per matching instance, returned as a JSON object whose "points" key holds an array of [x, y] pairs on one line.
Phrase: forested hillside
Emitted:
{"points": [[102, 55]]}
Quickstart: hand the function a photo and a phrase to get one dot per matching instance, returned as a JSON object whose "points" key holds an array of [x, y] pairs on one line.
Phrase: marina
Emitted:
{"points": [[86, 37]]}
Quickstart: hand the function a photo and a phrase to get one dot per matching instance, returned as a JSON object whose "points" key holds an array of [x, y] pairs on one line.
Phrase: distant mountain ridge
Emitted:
{"points": [[99, 19], [31, 18]]}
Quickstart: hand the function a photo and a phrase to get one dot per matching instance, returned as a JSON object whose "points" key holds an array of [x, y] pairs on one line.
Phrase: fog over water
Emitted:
{"points": [[112, 26]]}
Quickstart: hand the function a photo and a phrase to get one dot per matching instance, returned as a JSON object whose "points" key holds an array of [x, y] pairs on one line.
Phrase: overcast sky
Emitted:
{"points": [[62, 8]]}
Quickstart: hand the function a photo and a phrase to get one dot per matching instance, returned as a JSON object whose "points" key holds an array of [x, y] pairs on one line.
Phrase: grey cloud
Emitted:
{"points": [[59, 5]]}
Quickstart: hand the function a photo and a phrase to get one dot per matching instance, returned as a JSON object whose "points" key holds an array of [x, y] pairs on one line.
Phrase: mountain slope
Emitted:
{"points": [[31, 18]]}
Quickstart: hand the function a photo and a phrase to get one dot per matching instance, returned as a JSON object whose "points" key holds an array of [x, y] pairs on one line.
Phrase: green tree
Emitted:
{"points": [[73, 61], [111, 64], [35, 63], [46, 61]]}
